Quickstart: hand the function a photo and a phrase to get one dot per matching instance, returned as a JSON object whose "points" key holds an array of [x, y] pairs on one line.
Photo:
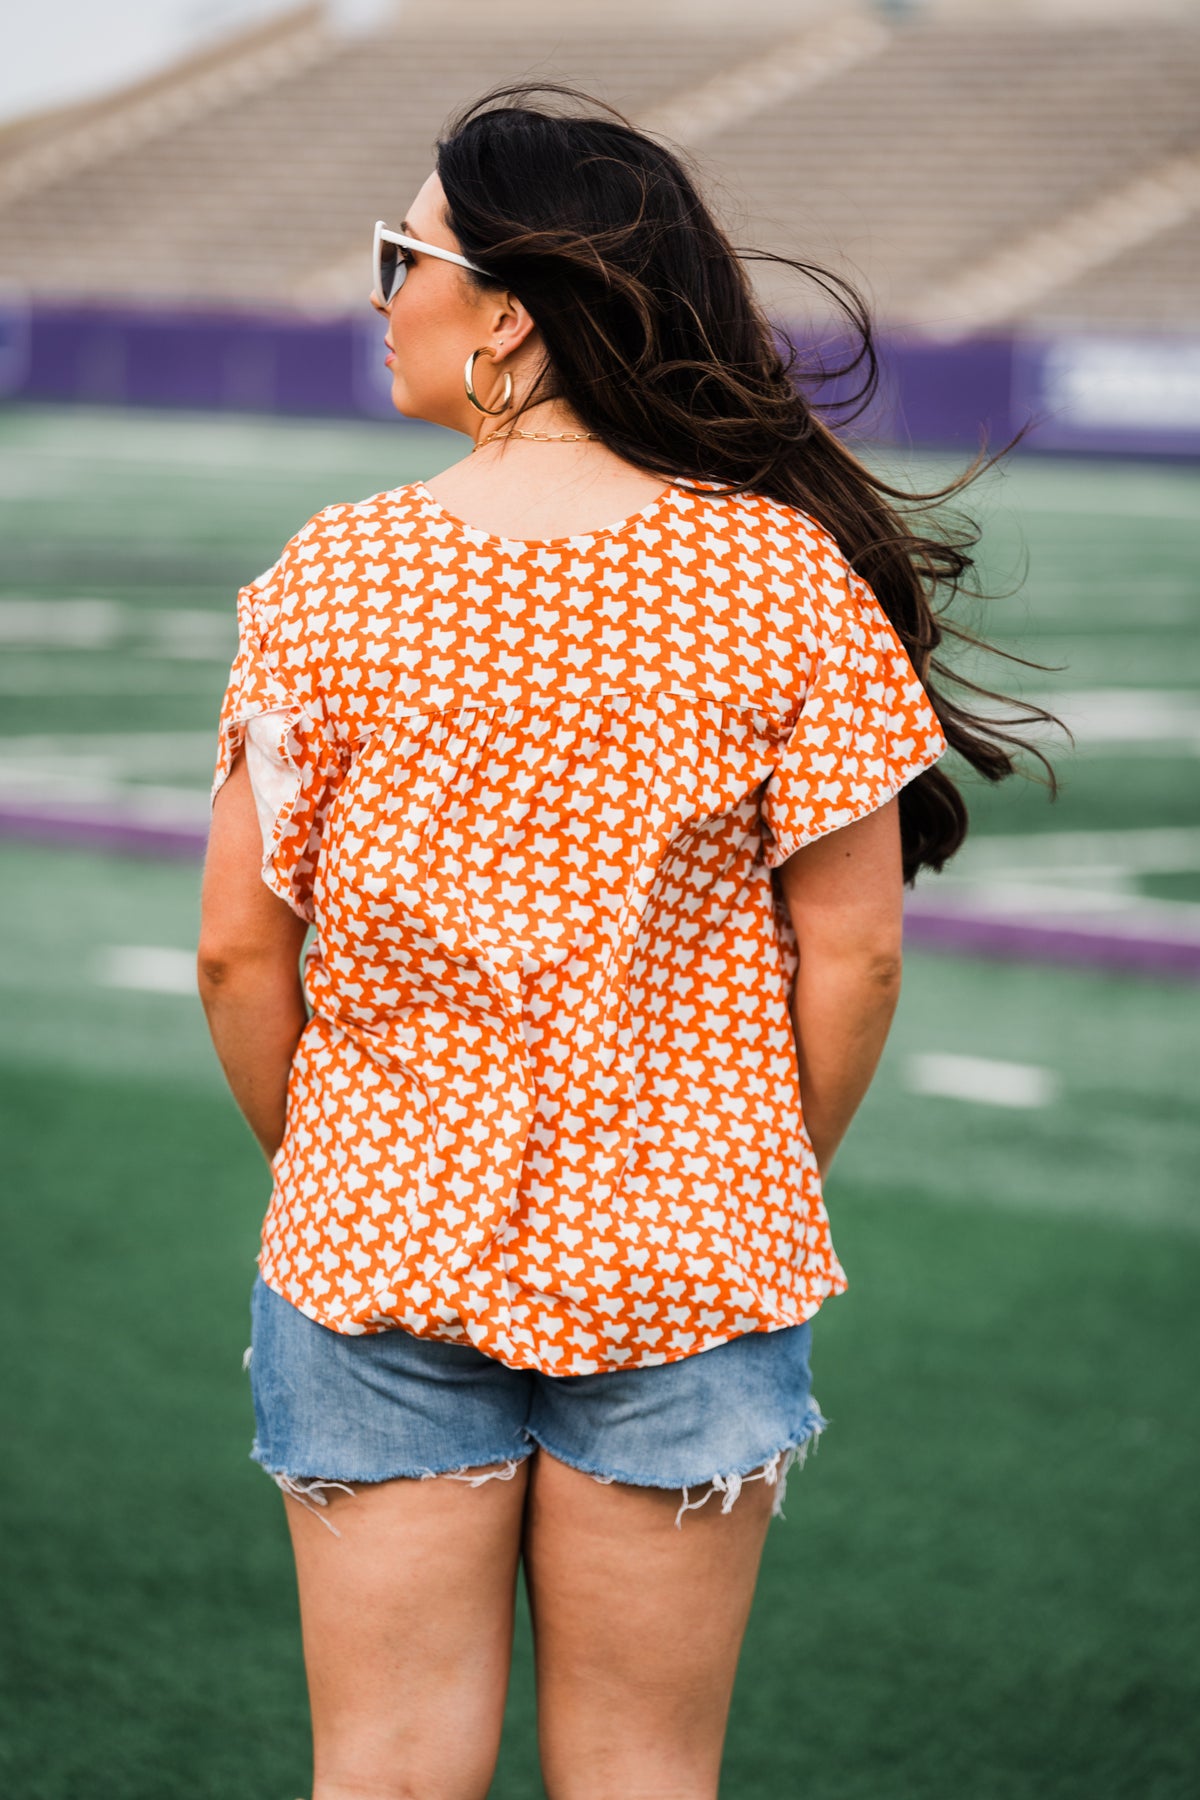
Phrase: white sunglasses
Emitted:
{"points": [[391, 268]]}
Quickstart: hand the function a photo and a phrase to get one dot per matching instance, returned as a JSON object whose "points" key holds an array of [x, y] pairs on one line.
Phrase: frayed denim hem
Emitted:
{"points": [[774, 1471], [313, 1492], [310, 1492]]}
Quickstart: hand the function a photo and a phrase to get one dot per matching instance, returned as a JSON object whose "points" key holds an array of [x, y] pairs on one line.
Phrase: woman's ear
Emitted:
{"points": [[510, 324]]}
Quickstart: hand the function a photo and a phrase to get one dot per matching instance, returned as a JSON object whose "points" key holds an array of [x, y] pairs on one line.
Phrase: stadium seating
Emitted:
{"points": [[908, 152]]}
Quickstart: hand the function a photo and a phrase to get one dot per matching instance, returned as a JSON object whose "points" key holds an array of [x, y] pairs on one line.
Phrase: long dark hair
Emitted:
{"points": [[655, 339]]}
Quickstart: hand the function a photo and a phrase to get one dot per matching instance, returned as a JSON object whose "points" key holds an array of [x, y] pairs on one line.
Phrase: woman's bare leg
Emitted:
{"points": [[637, 1628], [407, 1620]]}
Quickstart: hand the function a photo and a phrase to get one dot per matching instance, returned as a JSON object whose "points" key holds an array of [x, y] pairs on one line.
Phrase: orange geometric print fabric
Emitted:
{"points": [[530, 795]]}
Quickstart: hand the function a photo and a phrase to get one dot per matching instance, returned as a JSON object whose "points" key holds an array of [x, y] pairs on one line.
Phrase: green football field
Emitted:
{"points": [[987, 1583]]}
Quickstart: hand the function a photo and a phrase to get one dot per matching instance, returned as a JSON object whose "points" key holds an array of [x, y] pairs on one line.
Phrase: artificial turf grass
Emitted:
{"points": [[983, 1585], [157, 1650], [1121, 1138], [986, 1583]]}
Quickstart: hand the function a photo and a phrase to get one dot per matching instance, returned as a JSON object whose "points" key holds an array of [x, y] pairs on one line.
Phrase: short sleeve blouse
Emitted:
{"points": [[530, 795]]}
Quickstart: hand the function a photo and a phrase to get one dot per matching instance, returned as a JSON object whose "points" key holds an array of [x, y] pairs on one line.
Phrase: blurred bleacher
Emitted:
{"points": [[975, 167]]}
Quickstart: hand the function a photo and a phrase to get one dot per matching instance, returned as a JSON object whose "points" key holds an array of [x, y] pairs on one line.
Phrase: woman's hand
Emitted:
{"points": [[844, 894], [248, 964]]}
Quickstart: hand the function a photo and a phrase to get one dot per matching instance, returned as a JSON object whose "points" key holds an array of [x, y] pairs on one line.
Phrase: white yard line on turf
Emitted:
{"points": [[60, 755], [1125, 715], [1087, 879], [96, 800], [982, 1079], [1158, 849], [194, 633], [152, 968]]}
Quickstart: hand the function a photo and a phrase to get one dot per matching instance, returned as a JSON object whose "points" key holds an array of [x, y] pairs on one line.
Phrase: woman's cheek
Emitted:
{"points": [[412, 360]]}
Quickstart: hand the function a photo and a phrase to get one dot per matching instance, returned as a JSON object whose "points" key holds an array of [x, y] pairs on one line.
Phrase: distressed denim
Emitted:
{"points": [[333, 1410]]}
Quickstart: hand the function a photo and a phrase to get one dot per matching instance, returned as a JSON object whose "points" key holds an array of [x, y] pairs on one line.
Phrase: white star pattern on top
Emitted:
{"points": [[530, 794]]}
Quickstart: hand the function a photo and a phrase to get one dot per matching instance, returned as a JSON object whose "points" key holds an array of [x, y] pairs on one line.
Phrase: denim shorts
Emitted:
{"points": [[333, 1410]]}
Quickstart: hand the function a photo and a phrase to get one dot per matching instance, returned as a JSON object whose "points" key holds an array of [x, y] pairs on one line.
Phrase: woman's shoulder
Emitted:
{"points": [[774, 520], [342, 554], [753, 518], [352, 525], [751, 531]]}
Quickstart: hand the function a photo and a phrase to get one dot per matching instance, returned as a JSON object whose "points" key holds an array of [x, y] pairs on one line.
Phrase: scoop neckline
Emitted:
{"points": [[433, 504]]}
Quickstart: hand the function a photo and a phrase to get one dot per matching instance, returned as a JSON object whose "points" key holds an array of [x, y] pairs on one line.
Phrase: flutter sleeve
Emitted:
{"points": [[272, 711], [865, 729]]}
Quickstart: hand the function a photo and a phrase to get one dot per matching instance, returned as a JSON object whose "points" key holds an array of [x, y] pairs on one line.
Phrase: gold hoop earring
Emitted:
{"points": [[490, 412]]}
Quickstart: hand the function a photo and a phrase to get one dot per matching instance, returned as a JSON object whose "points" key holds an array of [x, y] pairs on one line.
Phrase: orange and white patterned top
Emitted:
{"points": [[530, 794]]}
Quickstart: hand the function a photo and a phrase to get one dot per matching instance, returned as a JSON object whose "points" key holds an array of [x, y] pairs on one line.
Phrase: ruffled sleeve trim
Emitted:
{"points": [[863, 798], [292, 759], [866, 729]]}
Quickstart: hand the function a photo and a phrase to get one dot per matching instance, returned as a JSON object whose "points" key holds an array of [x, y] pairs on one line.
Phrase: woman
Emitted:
{"points": [[603, 828]]}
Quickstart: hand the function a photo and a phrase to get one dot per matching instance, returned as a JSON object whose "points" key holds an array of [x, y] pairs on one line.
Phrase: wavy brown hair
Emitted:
{"points": [[654, 337]]}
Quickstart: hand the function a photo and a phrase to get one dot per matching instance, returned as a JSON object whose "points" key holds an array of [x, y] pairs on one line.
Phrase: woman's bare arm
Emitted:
{"points": [[248, 964], [844, 895]]}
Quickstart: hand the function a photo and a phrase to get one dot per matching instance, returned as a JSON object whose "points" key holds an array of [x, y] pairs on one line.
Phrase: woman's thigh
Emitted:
{"points": [[637, 1628], [647, 1511], [407, 1618]]}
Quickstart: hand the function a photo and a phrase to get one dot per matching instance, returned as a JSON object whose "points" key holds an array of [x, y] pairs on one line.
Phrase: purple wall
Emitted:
{"points": [[242, 362], [1085, 391]]}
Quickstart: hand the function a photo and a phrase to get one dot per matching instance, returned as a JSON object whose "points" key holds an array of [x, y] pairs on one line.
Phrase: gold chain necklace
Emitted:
{"points": [[543, 437]]}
